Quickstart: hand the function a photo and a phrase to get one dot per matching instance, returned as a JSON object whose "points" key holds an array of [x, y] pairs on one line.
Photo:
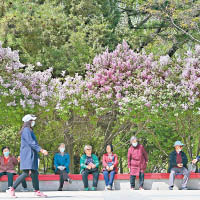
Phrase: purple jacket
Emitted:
{"points": [[10, 166], [137, 159]]}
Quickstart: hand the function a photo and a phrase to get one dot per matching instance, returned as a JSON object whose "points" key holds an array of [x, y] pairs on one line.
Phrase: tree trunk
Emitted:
{"points": [[70, 150], [121, 166]]}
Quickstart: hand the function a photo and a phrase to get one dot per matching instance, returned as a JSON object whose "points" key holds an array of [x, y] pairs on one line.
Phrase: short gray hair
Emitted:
{"points": [[61, 144], [133, 138], [87, 146]]}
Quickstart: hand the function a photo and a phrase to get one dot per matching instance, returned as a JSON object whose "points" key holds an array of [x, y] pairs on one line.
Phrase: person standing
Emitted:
{"points": [[28, 156], [137, 162], [61, 163], [178, 164], [110, 163]]}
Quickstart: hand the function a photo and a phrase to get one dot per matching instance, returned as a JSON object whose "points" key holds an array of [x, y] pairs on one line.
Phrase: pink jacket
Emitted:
{"points": [[10, 166], [106, 160], [137, 159]]}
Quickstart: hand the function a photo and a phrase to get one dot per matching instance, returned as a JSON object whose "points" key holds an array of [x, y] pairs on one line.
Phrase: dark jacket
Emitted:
{"points": [[29, 150], [172, 160]]}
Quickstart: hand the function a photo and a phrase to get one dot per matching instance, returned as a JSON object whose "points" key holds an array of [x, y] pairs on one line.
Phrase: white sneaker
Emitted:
{"points": [[109, 187], [40, 194], [11, 192]]}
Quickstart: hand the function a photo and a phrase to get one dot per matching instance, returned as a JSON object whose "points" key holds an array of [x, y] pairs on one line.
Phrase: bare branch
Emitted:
{"points": [[182, 30]]}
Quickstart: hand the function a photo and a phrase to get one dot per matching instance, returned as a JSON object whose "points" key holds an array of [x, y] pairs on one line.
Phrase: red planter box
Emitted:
{"points": [[53, 177]]}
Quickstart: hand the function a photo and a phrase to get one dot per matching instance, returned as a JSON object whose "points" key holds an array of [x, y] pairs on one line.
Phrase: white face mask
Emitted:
{"points": [[134, 144], [32, 123], [178, 150]]}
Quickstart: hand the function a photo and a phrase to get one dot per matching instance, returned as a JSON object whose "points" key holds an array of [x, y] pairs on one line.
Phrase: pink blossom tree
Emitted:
{"points": [[121, 91]]}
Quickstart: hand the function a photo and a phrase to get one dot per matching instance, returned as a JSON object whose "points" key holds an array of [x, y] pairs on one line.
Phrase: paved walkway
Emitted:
{"points": [[113, 195]]}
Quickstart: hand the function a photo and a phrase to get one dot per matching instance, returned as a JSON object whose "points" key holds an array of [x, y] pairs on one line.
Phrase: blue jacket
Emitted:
{"points": [[198, 158], [60, 160], [29, 150]]}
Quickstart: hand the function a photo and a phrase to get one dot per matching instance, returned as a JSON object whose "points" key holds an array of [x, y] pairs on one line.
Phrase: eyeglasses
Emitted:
{"points": [[88, 149]]}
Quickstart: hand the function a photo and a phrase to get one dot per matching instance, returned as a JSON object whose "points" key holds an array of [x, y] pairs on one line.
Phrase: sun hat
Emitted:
{"points": [[178, 143], [29, 117]]}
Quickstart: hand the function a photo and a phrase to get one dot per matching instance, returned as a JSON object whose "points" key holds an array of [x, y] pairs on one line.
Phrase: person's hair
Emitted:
{"points": [[26, 124], [5, 148], [60, 145], [133, 138], [111, 146], [87, 146]]}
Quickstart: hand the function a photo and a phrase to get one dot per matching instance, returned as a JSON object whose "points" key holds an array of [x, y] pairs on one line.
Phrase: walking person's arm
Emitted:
{"points": [[27, 137]]}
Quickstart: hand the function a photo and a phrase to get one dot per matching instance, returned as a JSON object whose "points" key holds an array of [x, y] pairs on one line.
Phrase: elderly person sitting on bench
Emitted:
{"points": [[7, 165], [89, 164], [196, 160], [61, 163], [178, 165]]}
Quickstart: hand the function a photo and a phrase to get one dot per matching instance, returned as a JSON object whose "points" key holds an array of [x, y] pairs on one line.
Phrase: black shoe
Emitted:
{"points": [[170, 187], [59, 189]]}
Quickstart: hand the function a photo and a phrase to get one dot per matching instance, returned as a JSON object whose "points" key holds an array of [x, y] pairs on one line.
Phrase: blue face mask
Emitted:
{"points": [[6, 154], [62, 150]]}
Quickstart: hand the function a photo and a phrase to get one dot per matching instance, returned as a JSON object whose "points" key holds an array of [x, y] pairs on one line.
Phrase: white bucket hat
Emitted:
{"points": [[29, 117]]}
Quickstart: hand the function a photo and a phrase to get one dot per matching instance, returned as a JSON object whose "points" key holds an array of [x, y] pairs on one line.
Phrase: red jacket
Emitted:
{"points": [[137, 159], [10, 166], [106, 160]]}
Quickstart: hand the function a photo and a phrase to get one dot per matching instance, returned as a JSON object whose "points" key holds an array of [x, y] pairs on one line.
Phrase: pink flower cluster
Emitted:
{"points": [[123, 77], [24, 87], [127, 77]]}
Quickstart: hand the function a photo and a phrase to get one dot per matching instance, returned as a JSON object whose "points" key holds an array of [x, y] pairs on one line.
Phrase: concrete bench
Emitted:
{"points": [[153, 181]]}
